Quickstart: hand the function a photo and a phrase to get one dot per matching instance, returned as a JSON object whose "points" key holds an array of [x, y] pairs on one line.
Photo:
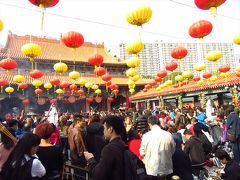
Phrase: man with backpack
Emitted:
{"points": [[112, 161]]}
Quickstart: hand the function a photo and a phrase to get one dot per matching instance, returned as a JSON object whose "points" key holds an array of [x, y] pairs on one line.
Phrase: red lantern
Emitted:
{"points": [[44, 3], [148, 86], [36, 74], [89, 99], [115, 87], [158, 79], [23, 85], [110, 99], [208, 4], [25, 102], [179, 53], [145, 90], [176, 85], [73, 87], [115, 91], [99, 71], [8, 64], [64, 85], [95, 59], [162, 73], [196, 78], [73, 39], [38, 91], [80, 92], [207, 75], [224, 68], [238, 74], [200, 29], [55, 81], [171, 66], [108, 83], [106, 77], [154, 83], [3, 82]]}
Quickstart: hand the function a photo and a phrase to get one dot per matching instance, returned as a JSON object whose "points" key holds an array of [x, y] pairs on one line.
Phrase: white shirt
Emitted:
{"points": [[157, 147], [38, 169]]}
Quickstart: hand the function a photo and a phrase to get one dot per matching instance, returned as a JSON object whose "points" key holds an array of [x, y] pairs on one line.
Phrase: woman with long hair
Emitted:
{"points": [[23, 163]]}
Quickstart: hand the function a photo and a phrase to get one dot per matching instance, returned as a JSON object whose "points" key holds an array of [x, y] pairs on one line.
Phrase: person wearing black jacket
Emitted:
{"points": [[141, 124], [232, 169], [111, 164], [193, 147], [233, 122], [94, 136]]}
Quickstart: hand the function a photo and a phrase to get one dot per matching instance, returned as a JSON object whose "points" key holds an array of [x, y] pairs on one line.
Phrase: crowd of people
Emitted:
{"points": [[172, 144]]}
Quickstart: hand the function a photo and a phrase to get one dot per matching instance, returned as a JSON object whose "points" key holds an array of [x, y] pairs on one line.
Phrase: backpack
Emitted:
{"points": [[134, 168]]}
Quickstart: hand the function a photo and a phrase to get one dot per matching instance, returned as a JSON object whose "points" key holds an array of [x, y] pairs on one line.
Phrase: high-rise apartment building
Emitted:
{"points": [[155, 56], [150, 58]]}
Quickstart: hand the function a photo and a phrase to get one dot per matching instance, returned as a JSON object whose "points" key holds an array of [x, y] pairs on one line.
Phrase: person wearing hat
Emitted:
{"points": [[157, 148]]}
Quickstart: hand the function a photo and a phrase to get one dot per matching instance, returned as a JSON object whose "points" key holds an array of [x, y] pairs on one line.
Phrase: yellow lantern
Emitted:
{"points": [[94, 87], [161, 86], [139, 16], [60, 91], [200, 82], [31, 50], [60, 67], [133, 62], [130, 82], [18, 78], [1, 25], [199, 67], [37, 83], [178, 78], [98, 91], [214, 56], [131, 72], [213, 78], [187, 74], [168, 82], [135, 78], [238, 68], [132, 90], [9, 90], [158, 88], [74, 75], [88, 85], [135, 48], [236, 39], [81, 81], [132, 86], [47, 86], [225, 75]]}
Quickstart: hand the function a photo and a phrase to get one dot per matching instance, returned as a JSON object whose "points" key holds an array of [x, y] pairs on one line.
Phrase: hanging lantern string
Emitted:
{"points": [[42, 16]]}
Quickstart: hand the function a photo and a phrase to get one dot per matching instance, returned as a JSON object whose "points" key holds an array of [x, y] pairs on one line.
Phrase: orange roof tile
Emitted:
{"points": [[120, 80], [190, 87], [52, 49]]}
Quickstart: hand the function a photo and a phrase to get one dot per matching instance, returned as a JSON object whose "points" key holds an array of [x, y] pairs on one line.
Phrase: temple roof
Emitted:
{"points": [[53, 49], [120, 80], [190, 87]]}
